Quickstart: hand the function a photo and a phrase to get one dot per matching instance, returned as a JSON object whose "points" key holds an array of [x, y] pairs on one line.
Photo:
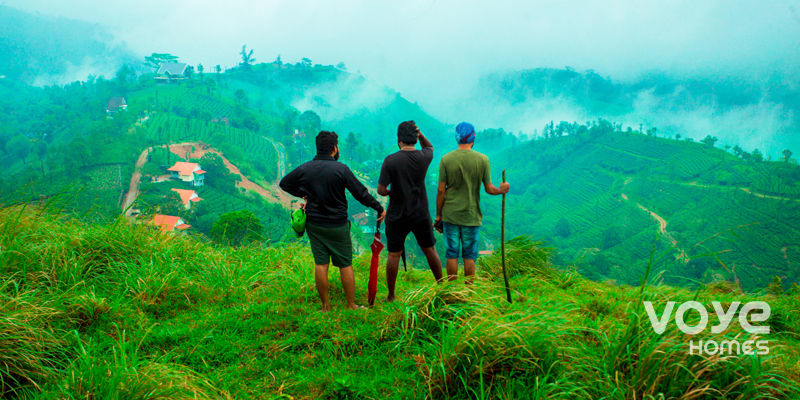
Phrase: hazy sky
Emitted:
{"points": [[430, 50]]}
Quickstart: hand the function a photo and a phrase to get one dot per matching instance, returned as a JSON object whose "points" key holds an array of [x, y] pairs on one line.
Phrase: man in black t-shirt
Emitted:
{"points": [[403, 180]]}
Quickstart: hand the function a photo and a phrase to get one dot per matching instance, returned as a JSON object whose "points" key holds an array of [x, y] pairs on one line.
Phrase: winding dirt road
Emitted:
{"points": [[276, 195], [662, 227], [197, 150]]}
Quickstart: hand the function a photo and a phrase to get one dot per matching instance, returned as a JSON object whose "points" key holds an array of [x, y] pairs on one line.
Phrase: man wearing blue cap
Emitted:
{"points": [[458, 207]]}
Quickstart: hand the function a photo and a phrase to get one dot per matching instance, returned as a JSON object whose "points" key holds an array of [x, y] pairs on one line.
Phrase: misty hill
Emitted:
{"points": [[40, 49], [118, 310], [567, 186], [601, 196], [346, 101], [754, 113]]}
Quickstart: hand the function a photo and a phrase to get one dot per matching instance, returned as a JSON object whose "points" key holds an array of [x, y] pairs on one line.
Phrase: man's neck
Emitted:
{"points": [[465, 146]]}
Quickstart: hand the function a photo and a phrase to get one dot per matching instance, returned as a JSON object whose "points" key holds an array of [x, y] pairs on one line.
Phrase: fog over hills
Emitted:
{"points": [[442, 53]]}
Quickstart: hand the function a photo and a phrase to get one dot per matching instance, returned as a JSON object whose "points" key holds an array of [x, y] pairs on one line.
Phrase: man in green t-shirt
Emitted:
{"points": [[458, 202]]}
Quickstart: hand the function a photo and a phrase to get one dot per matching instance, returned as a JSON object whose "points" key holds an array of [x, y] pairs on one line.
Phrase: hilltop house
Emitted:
{"points": [[361, 219], [187, 197], [116, 104], [188, 172], [169, 223], [171, 71]]}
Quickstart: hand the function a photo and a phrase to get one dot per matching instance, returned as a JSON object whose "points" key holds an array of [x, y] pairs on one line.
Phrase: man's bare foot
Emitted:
{"points": [[325, 308], [389, 299], [355, 307]]}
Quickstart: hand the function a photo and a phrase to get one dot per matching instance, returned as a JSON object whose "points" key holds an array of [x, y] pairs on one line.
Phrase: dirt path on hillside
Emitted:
{"points": [[662, 227], [768, 196], [133, 186], [719, 187], [276, 195], [184, 150]]}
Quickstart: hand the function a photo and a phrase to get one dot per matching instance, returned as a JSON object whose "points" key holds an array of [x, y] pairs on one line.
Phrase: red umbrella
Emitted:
{"points": [[376, 246]]}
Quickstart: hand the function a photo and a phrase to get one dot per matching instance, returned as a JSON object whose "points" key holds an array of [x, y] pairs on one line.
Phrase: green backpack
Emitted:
{"points": [[298, 221]]}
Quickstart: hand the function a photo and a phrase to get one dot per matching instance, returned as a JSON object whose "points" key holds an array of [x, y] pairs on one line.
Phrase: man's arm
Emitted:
{"points": [[383, 180], [423, 141], [382, 190], [360, 193], [440, 199], [439, 205], [494, 190], [487, 183], [291, 184]]}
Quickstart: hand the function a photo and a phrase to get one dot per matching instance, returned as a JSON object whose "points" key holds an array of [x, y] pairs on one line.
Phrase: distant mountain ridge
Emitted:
{"points": [[40, 50], [753, 113]]}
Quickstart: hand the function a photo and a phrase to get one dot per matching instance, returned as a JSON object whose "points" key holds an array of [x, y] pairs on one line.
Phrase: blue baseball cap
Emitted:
{"points": [[465, 133]]}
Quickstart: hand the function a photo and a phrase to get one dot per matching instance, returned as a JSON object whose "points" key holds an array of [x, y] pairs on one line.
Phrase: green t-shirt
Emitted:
{"points": [[463, 172]]}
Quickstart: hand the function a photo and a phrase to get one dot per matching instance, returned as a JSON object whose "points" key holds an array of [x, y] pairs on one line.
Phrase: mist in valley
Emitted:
{"points": [[440, 54]]}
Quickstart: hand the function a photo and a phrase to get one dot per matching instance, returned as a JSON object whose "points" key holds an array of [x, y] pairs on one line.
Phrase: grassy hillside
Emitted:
{"points": [[121, 311], [598, 195]]}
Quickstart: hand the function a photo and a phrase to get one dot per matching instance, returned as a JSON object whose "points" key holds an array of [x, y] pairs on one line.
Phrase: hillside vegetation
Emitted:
{"points": [[121, 311], [599, 194]]}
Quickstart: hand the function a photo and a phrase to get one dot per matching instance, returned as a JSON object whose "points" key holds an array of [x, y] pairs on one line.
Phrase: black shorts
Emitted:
{"points": [[331, 244], [396, 232]]}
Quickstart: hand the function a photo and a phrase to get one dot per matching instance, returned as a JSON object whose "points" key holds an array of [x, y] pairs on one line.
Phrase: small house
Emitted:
{"points": [[169, 223], [116, 104], [362, 220], [171, 71], [187, 197], [188, 172]]}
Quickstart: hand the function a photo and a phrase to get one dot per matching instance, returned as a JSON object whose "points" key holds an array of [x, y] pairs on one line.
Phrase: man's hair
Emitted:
{"points": [[407, 132], [326, 142]]}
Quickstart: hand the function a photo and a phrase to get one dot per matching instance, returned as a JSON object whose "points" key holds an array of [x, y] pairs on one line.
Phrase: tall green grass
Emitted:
{"points": [[122, 311]]}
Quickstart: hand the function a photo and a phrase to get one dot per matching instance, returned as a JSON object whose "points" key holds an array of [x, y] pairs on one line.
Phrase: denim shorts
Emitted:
{"points": [[464, 237]]}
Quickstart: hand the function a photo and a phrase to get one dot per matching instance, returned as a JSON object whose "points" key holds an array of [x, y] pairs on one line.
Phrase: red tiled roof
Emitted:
{"points": [[183, 226], [184, 168], [186, 195], [115, 102], [199, 172], [166, 222]]}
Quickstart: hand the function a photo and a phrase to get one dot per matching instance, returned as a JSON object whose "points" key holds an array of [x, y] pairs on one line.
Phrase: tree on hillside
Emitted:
{"points": [[738, 151], [757, 155], [41, 153], [241, 97], [709, 140], [787, 154], [217, 174], [237, 228], [305, 62], [19, 146], [154, 60], [352, 146], [247, 57], [562, 228], [309, 122]]}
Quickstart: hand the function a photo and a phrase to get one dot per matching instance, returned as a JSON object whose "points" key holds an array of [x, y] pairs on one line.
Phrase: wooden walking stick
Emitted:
{"points": [[503, 242]]}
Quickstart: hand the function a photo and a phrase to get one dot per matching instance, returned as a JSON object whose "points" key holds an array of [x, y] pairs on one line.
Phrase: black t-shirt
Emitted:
{"points": [[405, 172]]}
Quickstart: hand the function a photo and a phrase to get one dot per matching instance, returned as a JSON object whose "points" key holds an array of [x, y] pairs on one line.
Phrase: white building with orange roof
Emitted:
{"points": [[187, 197], [169, 223], [188, 172]]}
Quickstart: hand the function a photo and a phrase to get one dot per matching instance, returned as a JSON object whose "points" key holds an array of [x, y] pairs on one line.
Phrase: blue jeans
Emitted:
{"points": [[465, 237]]}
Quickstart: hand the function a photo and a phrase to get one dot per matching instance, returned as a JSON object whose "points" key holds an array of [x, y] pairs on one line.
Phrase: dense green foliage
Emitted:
{"points": [[237, 228], [123, 311], [591, 191]]}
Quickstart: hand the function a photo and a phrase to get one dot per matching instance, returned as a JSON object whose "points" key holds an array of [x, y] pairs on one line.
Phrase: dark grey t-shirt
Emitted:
{"points": [[404, 174]]}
